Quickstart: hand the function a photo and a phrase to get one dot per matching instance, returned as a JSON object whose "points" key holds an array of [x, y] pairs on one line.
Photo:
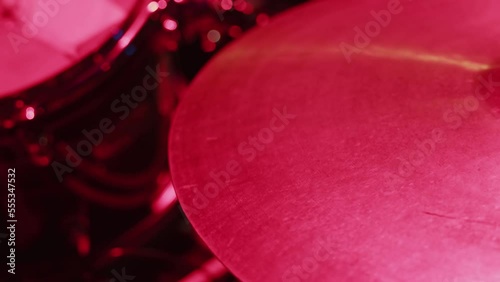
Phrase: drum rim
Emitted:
{"points": [[131, 26], [70, 84]]}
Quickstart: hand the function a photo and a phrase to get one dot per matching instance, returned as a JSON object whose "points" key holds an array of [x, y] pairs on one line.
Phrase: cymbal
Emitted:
{"points": [[349, 142]]}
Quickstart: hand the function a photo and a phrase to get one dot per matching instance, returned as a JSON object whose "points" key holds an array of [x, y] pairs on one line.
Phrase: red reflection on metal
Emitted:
{"points": [[211, 270], [82, 244], [165, 200], [289, 158], [170, 24], [153, 6], [30, 113], [116, 252], [226, 4]]}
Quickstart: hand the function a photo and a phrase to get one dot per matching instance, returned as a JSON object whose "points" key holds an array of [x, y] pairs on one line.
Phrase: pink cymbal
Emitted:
{"points": [[349, 142]]}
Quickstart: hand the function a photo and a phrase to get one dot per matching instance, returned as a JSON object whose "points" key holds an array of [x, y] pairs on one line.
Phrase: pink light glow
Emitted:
{"points": [[165, 199], [214, 36], [30, 113], [162, 4], [82, 244], [116, 252], [124, 41], [169, 24], [153, 6], [226, 4], [240, 5]]}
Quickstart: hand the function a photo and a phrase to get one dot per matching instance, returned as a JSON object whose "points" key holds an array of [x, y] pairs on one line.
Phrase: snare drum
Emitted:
{"points": [[78, 98]]}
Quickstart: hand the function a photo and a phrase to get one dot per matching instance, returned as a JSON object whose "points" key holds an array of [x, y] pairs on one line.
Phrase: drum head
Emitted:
{"points": [[349, 141], [39, 39]]}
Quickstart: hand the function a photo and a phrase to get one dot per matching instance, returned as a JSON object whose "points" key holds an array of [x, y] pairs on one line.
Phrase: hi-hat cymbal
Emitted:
{"points": [[349, 142]]}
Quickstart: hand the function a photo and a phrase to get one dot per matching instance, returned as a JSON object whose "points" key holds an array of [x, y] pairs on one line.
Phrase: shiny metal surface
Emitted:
{"points": [[41, 39], [295, 164]]}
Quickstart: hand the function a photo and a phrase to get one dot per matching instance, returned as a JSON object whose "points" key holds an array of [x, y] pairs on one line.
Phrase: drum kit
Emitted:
{"points": [[341, 142]]}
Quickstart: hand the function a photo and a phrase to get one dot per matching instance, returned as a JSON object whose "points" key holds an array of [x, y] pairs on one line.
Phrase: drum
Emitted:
{"points": [[82, 121], [79, 97]]}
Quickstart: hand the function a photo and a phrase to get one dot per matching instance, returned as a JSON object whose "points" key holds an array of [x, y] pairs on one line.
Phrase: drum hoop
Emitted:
{"points": [[85, 69]]}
